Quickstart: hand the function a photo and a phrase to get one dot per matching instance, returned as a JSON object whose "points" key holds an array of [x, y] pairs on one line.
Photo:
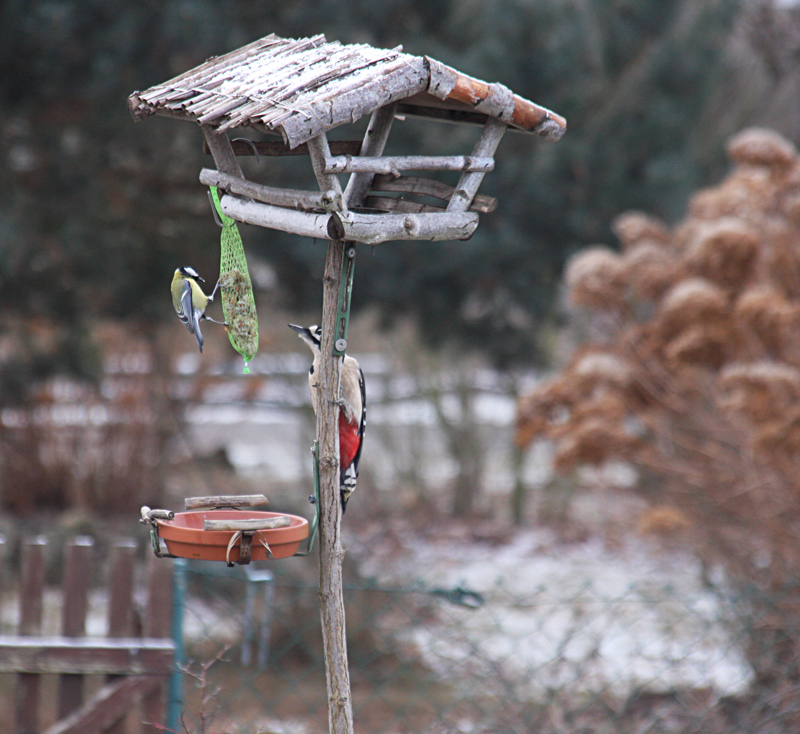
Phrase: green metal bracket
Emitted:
{"points": [[345, 293], [312, 531], [155, 543]]}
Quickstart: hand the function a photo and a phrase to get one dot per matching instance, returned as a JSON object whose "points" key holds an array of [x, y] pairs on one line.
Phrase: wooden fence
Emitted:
{"points": [[135, 658]]}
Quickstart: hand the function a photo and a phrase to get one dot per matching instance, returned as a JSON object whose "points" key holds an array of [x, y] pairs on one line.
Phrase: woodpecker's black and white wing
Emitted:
{"points": [[349, 476]]}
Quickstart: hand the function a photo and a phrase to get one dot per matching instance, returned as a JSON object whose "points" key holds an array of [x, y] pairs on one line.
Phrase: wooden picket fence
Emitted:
{"points": [[136, 657]]}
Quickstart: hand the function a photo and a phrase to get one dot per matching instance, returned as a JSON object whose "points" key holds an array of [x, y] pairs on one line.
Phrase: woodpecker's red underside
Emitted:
{"points": [[348, 441]]}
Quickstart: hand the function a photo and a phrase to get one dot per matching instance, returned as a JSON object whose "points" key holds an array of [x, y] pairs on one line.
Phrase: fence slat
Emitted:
{"points": [[157, 623], [76, 586], [26, 694], [120, 607]]}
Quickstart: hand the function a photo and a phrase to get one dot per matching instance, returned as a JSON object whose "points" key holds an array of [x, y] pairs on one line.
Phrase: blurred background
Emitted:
{"points": [[577, 401]]}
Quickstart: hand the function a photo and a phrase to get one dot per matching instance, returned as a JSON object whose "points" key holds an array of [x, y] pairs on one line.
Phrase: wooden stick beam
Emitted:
{"points": [[227, 500], [268, 523], [370, 229], [304, 224], [373, 229], [291, 198], [395, 164], [467, 187], [430, 187], [400, 205]]}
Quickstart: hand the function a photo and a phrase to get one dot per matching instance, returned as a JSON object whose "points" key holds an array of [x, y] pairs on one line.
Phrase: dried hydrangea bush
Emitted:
{"points": [[692, 371]]}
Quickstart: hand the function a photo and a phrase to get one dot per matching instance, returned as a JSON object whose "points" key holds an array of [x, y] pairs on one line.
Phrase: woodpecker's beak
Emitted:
{"points": [[299, 329]]}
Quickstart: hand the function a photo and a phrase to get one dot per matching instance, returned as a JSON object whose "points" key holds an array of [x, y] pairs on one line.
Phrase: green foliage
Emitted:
{"points": [[96, 212]]}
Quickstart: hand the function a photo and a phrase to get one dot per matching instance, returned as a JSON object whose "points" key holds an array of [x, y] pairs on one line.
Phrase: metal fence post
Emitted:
{"points": [[175, 690]]}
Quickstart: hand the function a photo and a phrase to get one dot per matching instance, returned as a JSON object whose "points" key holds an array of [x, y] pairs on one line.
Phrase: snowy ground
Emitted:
{"points": [[574, 616]]}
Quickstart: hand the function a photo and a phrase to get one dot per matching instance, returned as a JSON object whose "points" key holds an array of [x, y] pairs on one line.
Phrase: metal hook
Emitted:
{"points": [[214, 211], [252, 146]]}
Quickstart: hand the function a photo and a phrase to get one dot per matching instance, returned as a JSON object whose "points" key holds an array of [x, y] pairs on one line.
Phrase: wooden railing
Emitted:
{"points": [[136, 657]]}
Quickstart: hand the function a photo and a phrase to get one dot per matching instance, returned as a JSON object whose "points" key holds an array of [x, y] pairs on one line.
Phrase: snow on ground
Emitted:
{"points": [[577, 616]]}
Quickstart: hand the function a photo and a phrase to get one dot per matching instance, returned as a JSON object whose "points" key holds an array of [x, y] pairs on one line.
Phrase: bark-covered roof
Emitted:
{"points": [[303, 87]]}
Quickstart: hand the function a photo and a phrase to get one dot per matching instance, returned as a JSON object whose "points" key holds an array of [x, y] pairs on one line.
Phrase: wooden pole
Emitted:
{"points": [[331, 554], [331, 598]]}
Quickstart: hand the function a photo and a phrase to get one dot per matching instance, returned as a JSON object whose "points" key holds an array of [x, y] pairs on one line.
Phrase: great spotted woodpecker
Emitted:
{"points": [[352, 410]]}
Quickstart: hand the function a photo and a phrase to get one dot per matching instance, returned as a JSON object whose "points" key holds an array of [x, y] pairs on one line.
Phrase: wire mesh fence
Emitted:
{"points": [[556, 659]]}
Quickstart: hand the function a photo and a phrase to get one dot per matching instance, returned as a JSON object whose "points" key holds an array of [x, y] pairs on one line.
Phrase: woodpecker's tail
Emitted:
{"points": [[347, 484]]}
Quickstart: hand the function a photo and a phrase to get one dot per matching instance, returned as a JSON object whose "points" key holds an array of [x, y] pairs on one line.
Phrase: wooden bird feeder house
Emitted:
{"points": [[301, 90]]}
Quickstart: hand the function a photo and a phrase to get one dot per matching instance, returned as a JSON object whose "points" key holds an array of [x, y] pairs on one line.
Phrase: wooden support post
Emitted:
{"points": [[319, 151], [375, 138], [331, 598], [220, 146], [467, 187]]}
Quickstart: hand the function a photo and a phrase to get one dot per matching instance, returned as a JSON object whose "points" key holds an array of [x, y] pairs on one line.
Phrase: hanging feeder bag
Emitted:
{"points": [[238, 302]]}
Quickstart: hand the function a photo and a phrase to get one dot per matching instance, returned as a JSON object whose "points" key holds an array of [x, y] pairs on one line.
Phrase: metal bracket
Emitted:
{"points": [[314, 500], [245, 538], [345, 294], [151, 518]]}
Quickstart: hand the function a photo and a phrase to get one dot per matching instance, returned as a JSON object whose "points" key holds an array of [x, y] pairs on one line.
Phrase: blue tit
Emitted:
{"points": [[190, 302]]}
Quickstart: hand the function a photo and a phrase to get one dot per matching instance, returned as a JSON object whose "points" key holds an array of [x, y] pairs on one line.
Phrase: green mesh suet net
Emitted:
{"points": [[238, 303]]}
